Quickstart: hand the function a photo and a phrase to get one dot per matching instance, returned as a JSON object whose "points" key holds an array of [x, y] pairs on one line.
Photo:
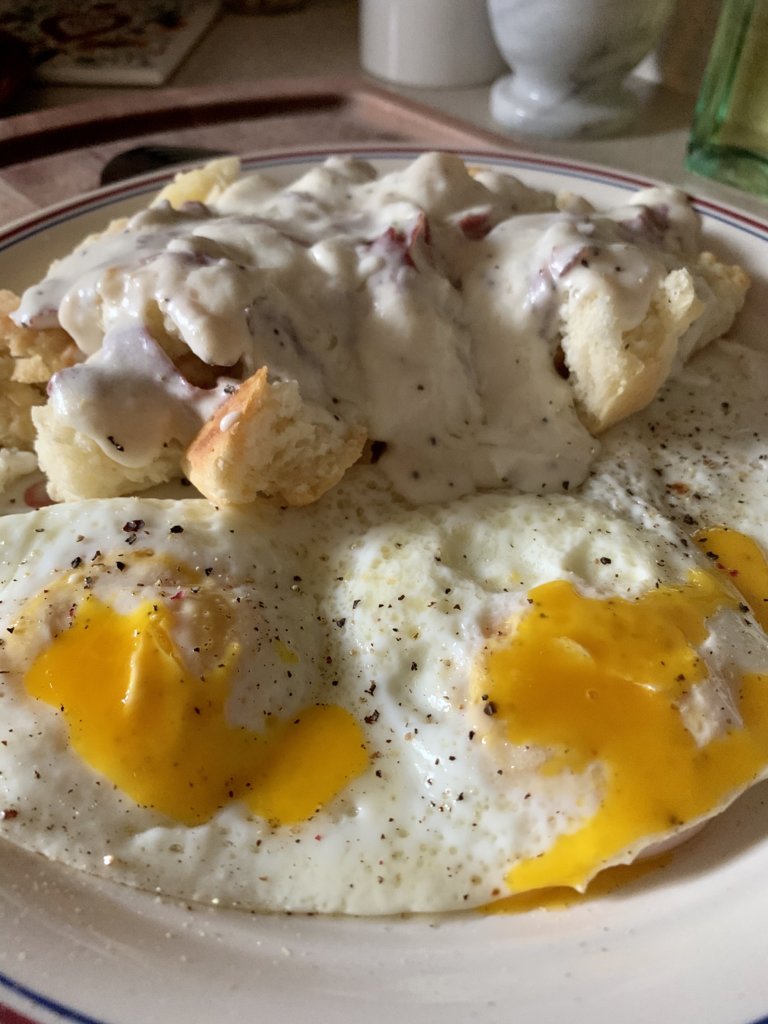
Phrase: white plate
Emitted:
{"points": [[684, 943]]}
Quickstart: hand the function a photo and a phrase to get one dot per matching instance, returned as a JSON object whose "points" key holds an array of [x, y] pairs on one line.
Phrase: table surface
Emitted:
{"points": [[321, 38]]}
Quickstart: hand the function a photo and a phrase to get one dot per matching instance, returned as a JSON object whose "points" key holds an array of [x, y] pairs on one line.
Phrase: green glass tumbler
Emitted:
{"points": [[729, 135]]}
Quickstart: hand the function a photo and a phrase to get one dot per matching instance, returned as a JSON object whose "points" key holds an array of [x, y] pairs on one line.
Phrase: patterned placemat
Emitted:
{"points": [[107, 42]]}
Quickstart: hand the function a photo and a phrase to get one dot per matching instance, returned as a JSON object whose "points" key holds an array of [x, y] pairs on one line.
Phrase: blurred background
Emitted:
{"points": [[60, 52], [87, 78]]}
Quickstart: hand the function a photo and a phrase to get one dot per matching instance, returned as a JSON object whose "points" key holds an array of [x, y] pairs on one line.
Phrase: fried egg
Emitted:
{"points": [[367, 708]]}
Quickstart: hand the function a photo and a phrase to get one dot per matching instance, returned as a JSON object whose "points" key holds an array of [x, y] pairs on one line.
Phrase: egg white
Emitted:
{"points": [[386, 611]]}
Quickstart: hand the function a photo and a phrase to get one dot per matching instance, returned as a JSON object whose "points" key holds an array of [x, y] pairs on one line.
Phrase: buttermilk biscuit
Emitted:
{"points": [[201, 184], [722, 288], [35, 355], [266, 440], [615, 372], [76, 467], [28, 358]]}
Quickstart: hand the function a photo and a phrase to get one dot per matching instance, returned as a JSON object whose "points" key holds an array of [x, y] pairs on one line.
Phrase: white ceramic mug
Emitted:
{"points": [[428, 42]]}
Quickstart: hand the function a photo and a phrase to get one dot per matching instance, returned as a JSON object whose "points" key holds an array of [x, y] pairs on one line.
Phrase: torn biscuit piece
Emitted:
{"points": [[266, 440], [722, 289], [14, 464], [35, 354], [77, 467], [201, 184], [28, 358], [615, 371]]}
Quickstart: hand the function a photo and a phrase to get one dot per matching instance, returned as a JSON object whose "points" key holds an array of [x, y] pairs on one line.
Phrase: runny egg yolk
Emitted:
{"points": [[599, 680], [161, 735], [608, 882], [742, 560]]}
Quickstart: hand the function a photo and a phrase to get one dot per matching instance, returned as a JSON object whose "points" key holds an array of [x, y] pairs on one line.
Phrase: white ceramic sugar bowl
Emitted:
{"points": [[569, 61]]}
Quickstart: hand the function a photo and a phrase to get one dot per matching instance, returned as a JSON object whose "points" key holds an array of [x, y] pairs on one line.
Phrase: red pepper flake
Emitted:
{"points": [[318, 838], [9, 814], [179, 594]]}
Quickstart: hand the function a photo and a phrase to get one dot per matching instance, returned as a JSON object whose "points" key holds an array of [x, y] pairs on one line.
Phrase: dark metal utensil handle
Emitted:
{"points": [[143, 159]]}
